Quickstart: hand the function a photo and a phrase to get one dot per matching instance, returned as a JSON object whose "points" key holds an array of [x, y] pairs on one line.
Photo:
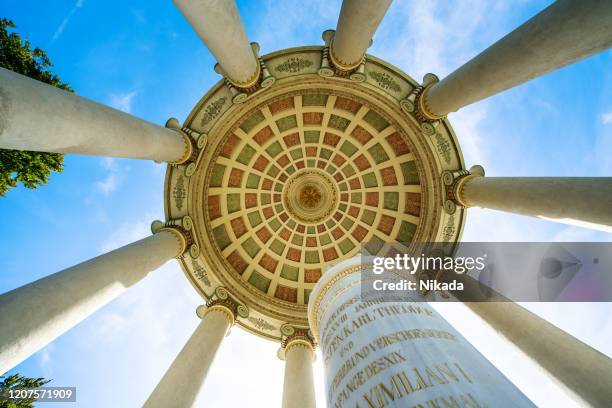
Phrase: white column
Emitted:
{"points": [[397, 354], [357, 24], [578, 368], [40, 117], [35, 314], [298, 385], [565, 32], [181, 384], [583, 201], [218, 25]]}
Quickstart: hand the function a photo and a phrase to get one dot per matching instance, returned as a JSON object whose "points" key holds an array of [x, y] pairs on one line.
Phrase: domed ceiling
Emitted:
{"points": [[295, 178]]}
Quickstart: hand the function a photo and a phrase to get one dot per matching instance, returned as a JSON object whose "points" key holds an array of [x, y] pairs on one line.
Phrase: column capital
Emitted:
{"points": [[328, 37], [423, 107], [193, 141], [182, 230], [454, 182], [223, 302], [331, 65], [294, 336], [416, 104], [262, 78]]}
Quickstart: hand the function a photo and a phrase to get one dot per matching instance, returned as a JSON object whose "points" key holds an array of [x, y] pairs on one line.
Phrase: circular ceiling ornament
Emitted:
{"points": [[310, 196], [298, 176]]}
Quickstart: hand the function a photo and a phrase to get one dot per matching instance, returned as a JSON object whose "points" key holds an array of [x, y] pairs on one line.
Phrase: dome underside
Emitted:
{"points": [[298, 176], [333, 139]]}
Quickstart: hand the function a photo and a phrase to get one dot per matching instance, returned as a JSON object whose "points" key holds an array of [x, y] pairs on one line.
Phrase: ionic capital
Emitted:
{"points": [[293, 336], [182, 230], [455, 182], [222, 301], [193, 142], [261, 78], [331, 65], [416, 104]]}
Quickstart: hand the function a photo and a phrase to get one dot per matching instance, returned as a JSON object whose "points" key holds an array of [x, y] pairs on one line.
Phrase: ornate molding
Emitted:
{"points": [[332, 66], [294, 65], [416, 104], [200, 272], [212, 111], [449, 230], [261, 79], [454, 181], [261, 324], [385, 81], [179, 192]]}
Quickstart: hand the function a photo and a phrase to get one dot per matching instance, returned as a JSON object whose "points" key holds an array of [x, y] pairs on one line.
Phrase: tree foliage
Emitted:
{"points": [[19, 381], [32, 169]]}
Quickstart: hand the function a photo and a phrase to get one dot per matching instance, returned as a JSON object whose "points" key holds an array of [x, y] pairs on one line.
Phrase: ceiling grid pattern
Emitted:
{"points": [[333, 137]]}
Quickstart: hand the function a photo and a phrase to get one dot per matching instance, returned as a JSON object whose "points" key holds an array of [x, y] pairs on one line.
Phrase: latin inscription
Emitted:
{"points": [[337, 332], [401, 354]]}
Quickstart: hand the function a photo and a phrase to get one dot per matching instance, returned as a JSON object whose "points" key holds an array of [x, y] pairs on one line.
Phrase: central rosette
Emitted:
{"points": [[310, 196]]}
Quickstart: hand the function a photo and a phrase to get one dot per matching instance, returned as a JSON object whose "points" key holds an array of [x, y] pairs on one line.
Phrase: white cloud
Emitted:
{"points": [[128, 233], [603, 146], [113, 178], [435, 36], [45, 357], [108, 185], [438, 37], [285, 24], [60, 29], [135, 337], [122, 101], [468, 125]]}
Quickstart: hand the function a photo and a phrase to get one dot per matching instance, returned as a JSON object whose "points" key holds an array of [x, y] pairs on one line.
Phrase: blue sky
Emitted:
{"points": [[142, 57]]}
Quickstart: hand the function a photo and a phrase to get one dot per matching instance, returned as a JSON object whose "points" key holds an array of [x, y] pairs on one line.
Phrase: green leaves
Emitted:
{"points": [[19, 381], [32, 169], [16, 54]]}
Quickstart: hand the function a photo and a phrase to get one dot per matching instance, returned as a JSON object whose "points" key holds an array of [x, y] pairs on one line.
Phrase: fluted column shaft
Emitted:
{"points": [[35, 314], [565, 32], [357, 24], [298, 386], [581, 370], [39, 117], [181, 384], [218, 25], [583, 201]]}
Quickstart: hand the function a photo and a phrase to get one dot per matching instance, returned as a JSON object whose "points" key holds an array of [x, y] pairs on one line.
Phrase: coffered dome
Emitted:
{"points": [[297, 177]]}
